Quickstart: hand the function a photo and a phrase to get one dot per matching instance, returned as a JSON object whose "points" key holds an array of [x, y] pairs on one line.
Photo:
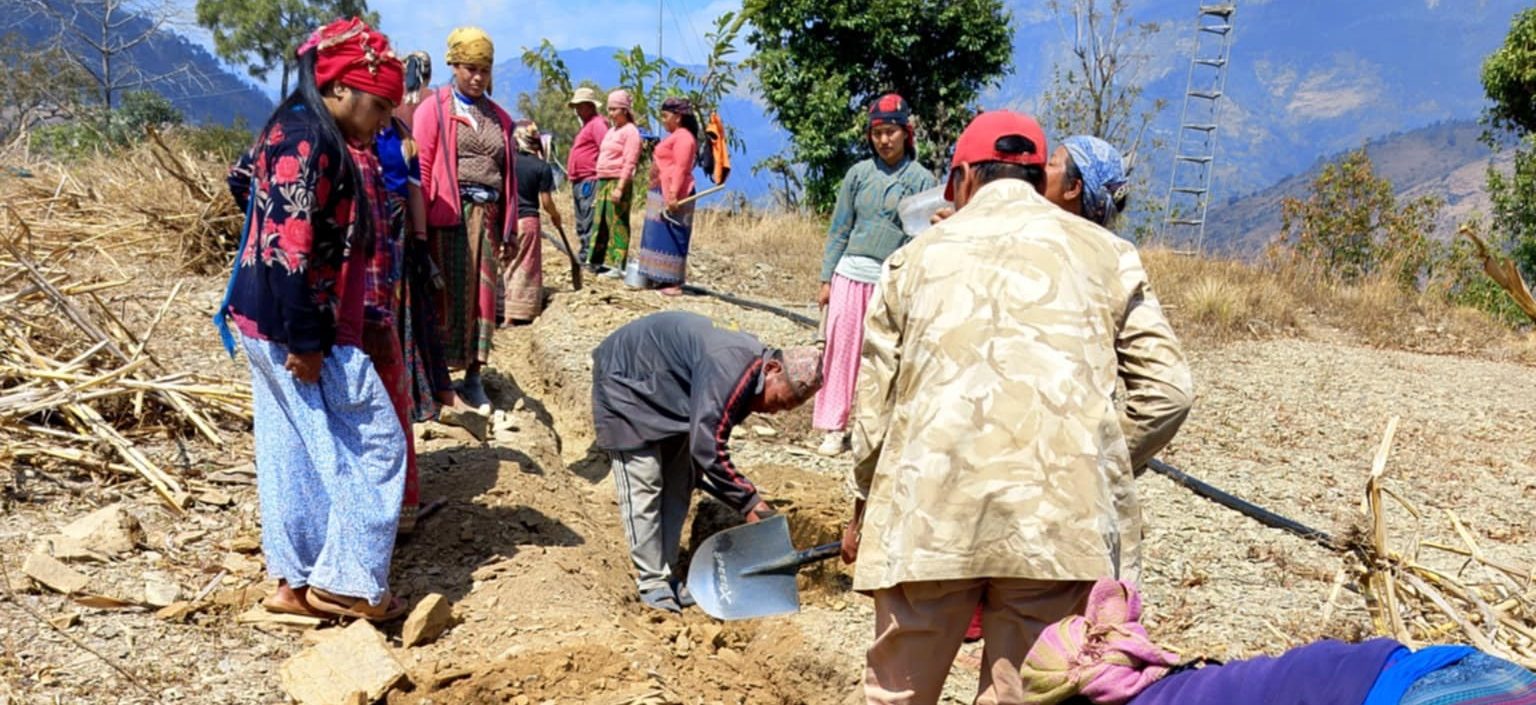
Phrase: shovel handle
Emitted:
{"points": [[794, 561]]}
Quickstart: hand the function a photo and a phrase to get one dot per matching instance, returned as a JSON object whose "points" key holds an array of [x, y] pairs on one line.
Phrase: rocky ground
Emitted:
{"points": [[527, 551]]}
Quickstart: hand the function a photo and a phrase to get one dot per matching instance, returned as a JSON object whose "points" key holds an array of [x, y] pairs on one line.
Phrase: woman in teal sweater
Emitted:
{"points": [[865, 230]]}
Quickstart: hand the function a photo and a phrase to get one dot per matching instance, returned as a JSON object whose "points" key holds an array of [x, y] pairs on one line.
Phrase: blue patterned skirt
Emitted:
{"points": [[664, 245]]}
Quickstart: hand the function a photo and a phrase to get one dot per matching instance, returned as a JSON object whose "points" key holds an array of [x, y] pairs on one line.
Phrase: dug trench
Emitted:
{"points": [[529, 548]]}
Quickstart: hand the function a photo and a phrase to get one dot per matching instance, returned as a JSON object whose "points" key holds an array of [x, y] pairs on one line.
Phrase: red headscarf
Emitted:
{"points": [[357, 56], [892, 109]]}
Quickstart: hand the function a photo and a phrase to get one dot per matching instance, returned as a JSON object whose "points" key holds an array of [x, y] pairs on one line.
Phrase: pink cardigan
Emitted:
{"points": [[619, 154], [672, 165], [437, 142]]}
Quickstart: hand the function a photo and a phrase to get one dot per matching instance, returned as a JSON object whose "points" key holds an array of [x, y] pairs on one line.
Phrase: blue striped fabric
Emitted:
{"points": [[1479, 679]]}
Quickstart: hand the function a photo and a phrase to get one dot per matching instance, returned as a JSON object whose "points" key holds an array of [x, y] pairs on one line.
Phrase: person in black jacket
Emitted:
{"points": [[667, 390]]}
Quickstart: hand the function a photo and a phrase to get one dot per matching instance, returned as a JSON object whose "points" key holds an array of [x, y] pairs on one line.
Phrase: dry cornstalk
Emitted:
{"points": [[1416, 603]]}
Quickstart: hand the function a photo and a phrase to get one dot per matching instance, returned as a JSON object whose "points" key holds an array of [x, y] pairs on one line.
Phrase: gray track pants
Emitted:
{"points": [[583, 197], [655, 487]]}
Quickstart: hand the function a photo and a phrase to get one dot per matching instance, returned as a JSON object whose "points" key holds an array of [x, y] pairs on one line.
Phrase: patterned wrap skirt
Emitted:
{"points": [[664, 242], [468, 254], [610, 227]]}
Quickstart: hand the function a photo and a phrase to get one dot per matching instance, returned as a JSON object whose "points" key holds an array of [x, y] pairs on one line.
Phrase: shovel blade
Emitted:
{"points": [[718, 575]]}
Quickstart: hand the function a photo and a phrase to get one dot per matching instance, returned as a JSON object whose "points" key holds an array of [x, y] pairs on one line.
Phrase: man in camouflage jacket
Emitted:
{"points": [[992, 460]]}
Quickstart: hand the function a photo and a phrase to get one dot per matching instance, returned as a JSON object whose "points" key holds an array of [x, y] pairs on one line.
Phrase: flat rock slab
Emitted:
{"points": [[261, 616], [53, 575], [355, 660], [429, 619], [110, 530]]}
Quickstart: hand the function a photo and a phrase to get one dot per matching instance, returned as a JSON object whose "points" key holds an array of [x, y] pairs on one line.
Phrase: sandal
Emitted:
{"points": [[289, 600], [407, 524], [356, 607]]}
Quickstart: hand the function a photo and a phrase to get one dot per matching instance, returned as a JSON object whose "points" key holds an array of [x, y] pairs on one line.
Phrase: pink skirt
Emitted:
{"points": [[840, 365]]}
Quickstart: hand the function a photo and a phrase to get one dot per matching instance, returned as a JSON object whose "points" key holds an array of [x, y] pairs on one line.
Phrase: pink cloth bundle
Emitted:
{"points": [[1104, 655]]}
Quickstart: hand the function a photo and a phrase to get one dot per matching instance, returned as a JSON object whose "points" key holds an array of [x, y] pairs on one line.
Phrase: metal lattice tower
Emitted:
{"points": [[1194, 160]]}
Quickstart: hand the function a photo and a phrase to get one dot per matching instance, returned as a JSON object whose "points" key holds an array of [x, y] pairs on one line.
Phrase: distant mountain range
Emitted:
{"points": [[1309, 78], [741, 111], [194, 81], [1445, 159]]}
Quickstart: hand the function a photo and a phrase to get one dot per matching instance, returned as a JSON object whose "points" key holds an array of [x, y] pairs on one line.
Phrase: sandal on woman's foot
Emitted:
{"points": [[407, 524], [288, 600], [670, 291], [356, 607]]}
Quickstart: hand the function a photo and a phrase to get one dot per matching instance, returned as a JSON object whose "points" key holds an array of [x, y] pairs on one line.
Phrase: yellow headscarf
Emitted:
{"points": [[470, 45]]}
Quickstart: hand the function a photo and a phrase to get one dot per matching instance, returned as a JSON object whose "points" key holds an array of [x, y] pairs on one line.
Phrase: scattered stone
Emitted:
{"points": [[110, 530], [238, 564], [712, 636], [442, 679], [217, 498], [65, 621], [103, 602], [765, 431], [471, 423], [178, 611], [242, 597], [520, 404], [69, 548], [259, 616], [241, 475], [244, 544], [186, 537], [160, 590], [429, 619], [355, 660], [53, 575]]}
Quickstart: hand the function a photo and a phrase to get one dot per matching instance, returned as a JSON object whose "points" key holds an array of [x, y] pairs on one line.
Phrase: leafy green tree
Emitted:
{"points": [[263, 34], [548, 106], [1509, 78], [820, 64], [649, 80], [1352, 226], [43, 85]]}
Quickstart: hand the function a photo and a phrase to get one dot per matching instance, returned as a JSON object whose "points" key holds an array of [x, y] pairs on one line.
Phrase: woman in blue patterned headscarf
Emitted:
{"points": [[1086, 176]]}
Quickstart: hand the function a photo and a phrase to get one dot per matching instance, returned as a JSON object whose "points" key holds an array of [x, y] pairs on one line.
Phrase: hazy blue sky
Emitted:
{"points": [[570, 24]]}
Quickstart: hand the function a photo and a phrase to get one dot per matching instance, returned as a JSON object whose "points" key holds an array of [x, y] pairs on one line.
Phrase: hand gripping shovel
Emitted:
{"points": [[749, 571]]}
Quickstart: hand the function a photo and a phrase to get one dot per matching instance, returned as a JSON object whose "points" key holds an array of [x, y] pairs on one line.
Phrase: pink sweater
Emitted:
{"points": [[619, 154], [436, 132], [672, 165]]}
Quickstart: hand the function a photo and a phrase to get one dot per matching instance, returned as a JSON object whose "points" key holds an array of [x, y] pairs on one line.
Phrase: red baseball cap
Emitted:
{"points": [[984, 140]]}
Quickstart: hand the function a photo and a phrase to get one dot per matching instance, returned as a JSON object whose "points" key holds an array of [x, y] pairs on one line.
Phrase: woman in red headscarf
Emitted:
{"points": [[330, 451], [865, 230]]}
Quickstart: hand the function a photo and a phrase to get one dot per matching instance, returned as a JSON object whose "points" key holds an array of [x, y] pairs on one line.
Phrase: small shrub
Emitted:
{"points": [[219, 142]]}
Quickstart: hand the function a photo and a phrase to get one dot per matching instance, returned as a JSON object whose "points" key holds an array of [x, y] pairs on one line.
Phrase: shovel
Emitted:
{"points": [[749, 571], [575, 265]]}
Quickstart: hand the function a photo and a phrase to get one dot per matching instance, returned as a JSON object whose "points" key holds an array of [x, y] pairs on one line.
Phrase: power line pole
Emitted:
{"points": [[660, 7]]}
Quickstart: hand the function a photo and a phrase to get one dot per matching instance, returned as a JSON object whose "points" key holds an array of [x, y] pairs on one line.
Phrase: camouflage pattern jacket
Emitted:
{"points": [[988, 439]]}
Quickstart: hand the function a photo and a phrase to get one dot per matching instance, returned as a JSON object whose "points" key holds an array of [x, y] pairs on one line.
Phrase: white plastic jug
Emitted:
{"points": [[632, 276], [917, 210]]}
